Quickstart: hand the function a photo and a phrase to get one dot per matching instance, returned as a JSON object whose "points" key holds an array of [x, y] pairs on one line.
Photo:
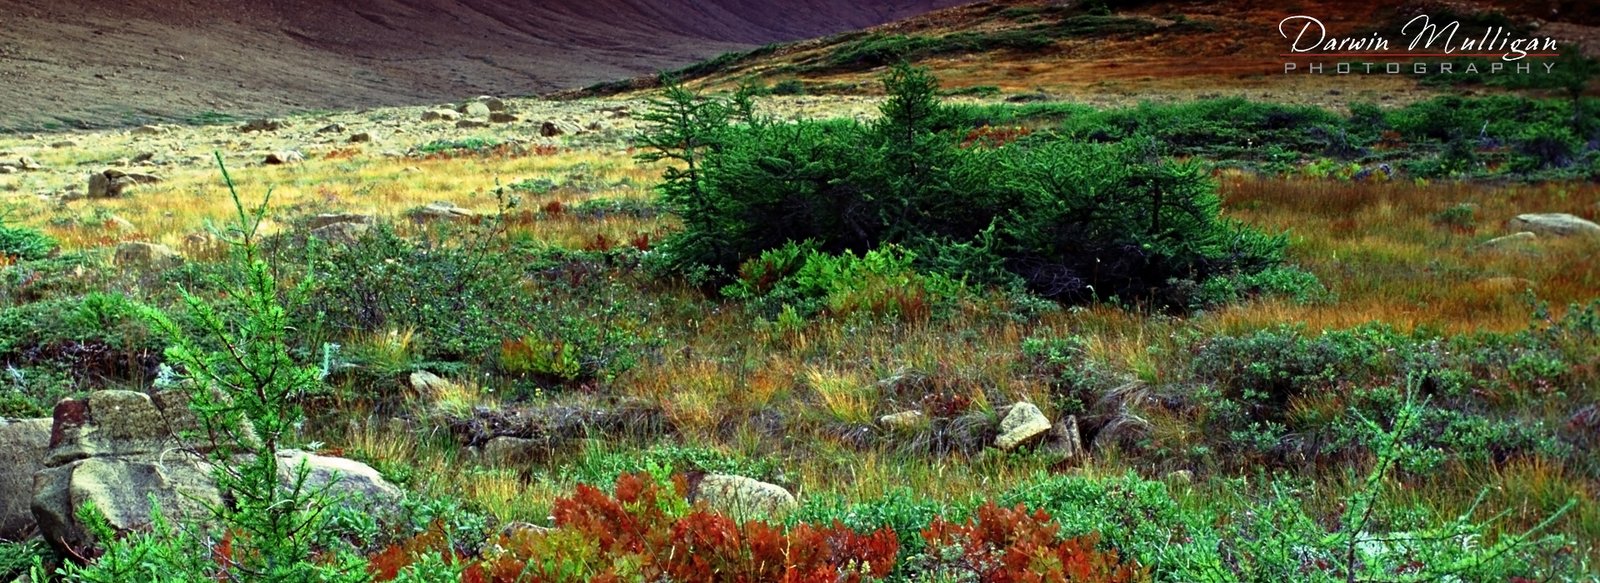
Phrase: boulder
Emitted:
{"points": [[9, 169], [28, 164], [142, 254], [115, 183], [494, 104], [441, 115], [1555, 225], [742, 498], [475, 109], [502, 117], [442, 211], [142, 157], [340, 233], [1023, 423], [331, 129], [23, 445], [284, 157], [471, 124], [262, 125], [347, 481], [360, 138]]}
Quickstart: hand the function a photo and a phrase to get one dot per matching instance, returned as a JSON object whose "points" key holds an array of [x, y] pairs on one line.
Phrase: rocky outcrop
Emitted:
{"points": [[121, 450], [23, 445]]}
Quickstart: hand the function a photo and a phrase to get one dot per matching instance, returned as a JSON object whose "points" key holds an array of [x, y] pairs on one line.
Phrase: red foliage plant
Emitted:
{"points": [[1012, 546], [643, 533]]}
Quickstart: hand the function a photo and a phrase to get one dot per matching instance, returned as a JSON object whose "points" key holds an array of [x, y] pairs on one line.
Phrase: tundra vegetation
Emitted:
{"points": [[1269, 342]]}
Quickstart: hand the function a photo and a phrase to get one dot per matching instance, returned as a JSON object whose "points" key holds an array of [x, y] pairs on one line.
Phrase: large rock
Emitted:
{"points": [[1555, 224], [23, 445], [119, 450], [742, 498], [347, 481], [475, 109], [142, 254], [121, 488], [119, 423], [1022, 424]]}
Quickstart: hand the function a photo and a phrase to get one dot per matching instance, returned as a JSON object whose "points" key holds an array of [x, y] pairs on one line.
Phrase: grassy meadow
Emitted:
{"points": [[1225, 439]]}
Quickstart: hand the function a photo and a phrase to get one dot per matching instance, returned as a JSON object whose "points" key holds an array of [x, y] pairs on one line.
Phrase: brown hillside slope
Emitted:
{"points": [[90, 62]]}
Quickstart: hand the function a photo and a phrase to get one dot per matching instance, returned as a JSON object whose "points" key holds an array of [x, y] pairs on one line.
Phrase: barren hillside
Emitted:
{"points": [[80, 63]]}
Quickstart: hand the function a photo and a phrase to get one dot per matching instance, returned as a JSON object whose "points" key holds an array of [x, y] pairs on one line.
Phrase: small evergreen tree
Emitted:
{"points": [[245, 390]]}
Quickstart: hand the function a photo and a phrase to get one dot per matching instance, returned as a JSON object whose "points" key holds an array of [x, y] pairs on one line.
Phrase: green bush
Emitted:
{"points": [[24, 243], [879, 283], [1072, 221]]}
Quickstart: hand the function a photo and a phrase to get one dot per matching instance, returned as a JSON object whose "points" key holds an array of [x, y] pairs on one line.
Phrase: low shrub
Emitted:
{"points": [[24, 244]]}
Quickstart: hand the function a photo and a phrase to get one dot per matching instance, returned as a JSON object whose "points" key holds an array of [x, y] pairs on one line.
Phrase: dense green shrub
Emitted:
{"points": [[24, 243], [1072, 221]]}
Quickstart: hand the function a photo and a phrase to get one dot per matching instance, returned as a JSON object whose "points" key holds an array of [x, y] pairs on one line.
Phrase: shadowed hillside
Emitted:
{"points": [[82, 63]]}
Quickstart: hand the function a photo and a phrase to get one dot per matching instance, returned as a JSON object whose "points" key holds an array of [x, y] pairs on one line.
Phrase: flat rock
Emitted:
{"points": [[1555, 225], [442, 211]]}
